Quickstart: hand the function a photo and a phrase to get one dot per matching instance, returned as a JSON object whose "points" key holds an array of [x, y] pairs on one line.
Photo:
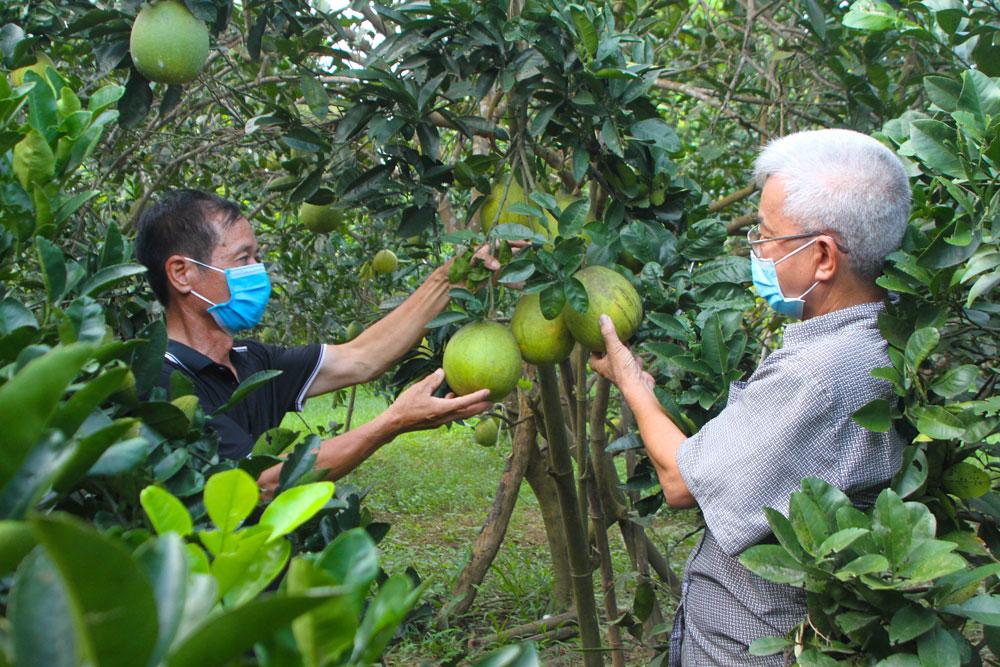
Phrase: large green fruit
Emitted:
{"points": [[42, 61], [541, 341], [168, 44], [321, 219], [482, 355], [608, 293], [496, 208], [486, 432], [384, 261]]}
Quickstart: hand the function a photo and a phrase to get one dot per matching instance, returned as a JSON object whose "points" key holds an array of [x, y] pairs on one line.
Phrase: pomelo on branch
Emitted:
{"points": [[354, 330], [487, 431], [482, 355], [321, 219], [168, 44], [496, 208], [608, 293], [42, 61], [384, 261], [541, 341]]}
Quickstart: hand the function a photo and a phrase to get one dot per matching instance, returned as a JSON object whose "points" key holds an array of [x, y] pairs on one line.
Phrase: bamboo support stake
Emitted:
{"points": [[576, 537]]}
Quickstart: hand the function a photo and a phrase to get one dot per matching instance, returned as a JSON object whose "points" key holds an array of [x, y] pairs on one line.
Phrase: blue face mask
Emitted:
{"points": [[765, 280], [249, 292]]}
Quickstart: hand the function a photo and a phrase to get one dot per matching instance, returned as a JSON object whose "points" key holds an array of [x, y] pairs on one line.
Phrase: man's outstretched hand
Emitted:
{"points": [[618, 364], [417, 408]]}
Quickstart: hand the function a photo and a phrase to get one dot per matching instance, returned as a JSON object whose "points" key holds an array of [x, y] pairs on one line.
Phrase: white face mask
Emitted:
{"points": [[765, 280]]}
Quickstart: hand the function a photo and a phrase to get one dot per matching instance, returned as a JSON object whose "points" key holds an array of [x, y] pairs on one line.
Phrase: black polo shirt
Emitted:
{"points": [[261, 409]]}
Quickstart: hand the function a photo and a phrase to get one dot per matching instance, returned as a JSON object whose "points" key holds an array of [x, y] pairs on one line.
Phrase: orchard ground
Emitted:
{"points": [[435, 488]]}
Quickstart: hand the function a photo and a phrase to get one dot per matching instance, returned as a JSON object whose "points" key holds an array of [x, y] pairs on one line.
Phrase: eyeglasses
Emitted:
{"points": [[754, 238]]}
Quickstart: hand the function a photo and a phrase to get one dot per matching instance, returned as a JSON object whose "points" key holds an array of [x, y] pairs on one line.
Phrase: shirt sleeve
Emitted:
{"points": [[299, 367], [756, 452]]}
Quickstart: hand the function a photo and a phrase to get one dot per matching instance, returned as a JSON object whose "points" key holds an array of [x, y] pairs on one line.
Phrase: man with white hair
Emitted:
{"points": [[833, 204]]}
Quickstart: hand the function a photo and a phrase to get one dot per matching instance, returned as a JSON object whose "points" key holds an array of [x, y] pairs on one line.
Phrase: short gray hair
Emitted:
{"points": [[846, 182]]}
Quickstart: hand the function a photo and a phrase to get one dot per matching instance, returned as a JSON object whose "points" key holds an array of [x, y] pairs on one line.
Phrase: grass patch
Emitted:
{"points": [[435, 488]]}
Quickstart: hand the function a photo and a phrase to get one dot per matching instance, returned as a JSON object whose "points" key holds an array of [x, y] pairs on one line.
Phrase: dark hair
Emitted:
{"points": [[182, 222]]}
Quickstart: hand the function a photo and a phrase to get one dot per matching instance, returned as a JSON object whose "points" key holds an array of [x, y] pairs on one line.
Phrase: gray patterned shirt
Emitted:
{"points": [[790, 420]]}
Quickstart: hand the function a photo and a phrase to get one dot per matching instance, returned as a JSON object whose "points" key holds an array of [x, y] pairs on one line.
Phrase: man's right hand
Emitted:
{"points": [[417, 408]]}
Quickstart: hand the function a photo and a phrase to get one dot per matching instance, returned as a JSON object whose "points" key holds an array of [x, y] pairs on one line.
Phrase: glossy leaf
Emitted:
{"points": [[295, 506]]}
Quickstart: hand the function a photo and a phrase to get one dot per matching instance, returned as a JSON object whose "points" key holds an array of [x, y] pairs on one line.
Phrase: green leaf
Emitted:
{"points": [[53, 264], [943, 91], [246, 571], [910, 622], [956, 381], [164, 561], [867, 564], [88, 450], [165, 511], [29, 400], [871, 15], [713, 347], [935, 144], [585, 30], [983, 609], [919, 346], [965, 480], [808, 521], [774, 563], [387, 610], [840, 541], [876, 415], [769, 645], [103, 614], [612, 140], [229, 634], [891, 526], [247, 386], [295, 506], [938, 648], [937, 422], [782, 529], [39, 610], [230, 496], [16, 541], [932, 559], [109, 277]]}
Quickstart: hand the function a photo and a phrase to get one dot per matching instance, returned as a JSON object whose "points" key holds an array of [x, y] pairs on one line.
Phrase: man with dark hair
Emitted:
{"points": [[203, 265]]}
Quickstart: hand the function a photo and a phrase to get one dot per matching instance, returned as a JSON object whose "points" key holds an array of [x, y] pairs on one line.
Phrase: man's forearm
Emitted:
{"points": [[343, 453], [388, 339], [662, 439]]}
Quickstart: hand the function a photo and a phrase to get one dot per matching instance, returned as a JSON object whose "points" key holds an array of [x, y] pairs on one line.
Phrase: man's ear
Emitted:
{"points": [[829, 258], [180, 273]]}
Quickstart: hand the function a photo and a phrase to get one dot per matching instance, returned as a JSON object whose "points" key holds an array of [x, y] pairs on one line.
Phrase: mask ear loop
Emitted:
{"points": [[207, 266], [802, 296]]}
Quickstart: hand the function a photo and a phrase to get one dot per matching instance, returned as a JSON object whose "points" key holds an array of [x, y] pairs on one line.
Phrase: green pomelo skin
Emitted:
{"points": [[541, 341], [168, 44], [486, 432], [384, 261], [496, 208], [609, 293], [482, 355], [321, 219]]}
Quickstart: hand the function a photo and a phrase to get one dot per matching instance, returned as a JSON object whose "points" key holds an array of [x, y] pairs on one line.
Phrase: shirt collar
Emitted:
{"points": [[799, 333], [192, 359]]}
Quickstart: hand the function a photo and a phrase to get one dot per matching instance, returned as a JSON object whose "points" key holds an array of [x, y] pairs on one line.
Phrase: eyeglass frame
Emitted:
{"points": [[755, 229]]}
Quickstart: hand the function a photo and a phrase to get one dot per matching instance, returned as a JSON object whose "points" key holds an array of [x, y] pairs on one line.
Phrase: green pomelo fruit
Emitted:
{"points": [[168, 44], [321, 219], [496, 208], [608, 293], [482, 355], [384, 261], [34, 161], [541, 341], [486, 432], [354, 330]]}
